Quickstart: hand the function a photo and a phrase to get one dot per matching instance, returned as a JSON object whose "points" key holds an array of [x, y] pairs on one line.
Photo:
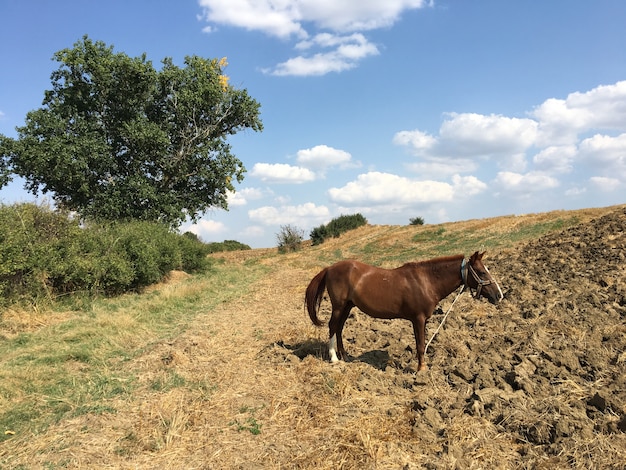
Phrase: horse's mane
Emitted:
{"points": [[430, 262]]}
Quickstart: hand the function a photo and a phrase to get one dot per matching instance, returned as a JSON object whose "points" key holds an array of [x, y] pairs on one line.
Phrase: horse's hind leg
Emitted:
{"points": [[335, 326], [345, 313]]}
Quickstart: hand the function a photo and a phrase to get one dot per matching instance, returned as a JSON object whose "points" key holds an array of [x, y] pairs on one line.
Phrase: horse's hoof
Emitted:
{"points": [[422, 368]]}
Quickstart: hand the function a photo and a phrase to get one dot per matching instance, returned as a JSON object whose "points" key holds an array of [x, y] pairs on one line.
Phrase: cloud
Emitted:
{"points": [[465, 186], [556, 159], [330, 30], [253, 231], [376, 188], [419, 141], [243, 196], [346, 53], [561, 121], [605, 155], [479, 135], [525, 183], [205, 229], [322, 157], [465, 139], [286, 18], [442, 167], [605, 184], [281, 173], [280, 19], [306, 215]]}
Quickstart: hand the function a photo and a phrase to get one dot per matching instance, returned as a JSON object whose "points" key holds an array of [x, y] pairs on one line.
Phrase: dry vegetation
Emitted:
{"points": [[243, 381]]}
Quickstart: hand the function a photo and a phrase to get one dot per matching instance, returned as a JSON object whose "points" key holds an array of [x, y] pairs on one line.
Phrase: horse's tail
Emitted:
{"points": [[314, 294]]}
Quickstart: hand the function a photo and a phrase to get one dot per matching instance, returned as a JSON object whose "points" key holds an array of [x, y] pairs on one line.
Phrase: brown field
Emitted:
{"points": [[538, 381]]}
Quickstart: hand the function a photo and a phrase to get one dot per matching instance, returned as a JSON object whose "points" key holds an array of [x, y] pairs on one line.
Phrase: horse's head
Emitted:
{"points": [[477, 277]]}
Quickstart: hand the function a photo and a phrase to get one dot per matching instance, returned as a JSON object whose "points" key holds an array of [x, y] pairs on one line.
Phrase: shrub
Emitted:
{"points": [[318, 235], [45, 253], [227, 245], [336, 227], [31, 239], [416, 221], [289, 238]]}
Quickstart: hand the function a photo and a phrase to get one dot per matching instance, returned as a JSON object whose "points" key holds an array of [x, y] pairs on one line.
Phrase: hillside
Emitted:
{"points": [[538, 381]]}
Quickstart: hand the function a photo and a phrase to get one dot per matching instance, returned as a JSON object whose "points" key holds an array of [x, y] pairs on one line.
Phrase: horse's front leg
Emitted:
{"points": [[419, 330]]}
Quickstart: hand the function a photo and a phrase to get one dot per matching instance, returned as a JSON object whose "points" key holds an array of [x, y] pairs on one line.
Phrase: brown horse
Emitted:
{"points": [[411, 291]]}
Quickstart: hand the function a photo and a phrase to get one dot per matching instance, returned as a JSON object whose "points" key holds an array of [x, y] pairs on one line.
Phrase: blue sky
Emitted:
{"points": [[447, 110]]}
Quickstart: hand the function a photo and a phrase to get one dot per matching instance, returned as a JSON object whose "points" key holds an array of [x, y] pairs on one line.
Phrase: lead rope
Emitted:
{"points": [[444, 318]]}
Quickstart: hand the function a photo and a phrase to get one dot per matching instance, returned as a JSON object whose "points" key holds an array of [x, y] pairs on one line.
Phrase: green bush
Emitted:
{"points": [[416, 221], [45, 253], [318, 235], [336, 227], [227, 245], [31, 239]]}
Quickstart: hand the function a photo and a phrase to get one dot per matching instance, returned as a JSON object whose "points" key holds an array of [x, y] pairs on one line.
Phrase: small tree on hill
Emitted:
{"points": [[289, 238]]}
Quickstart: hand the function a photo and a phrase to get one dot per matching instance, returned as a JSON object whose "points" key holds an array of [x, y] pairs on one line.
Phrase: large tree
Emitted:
{"points": [[118, 139]]}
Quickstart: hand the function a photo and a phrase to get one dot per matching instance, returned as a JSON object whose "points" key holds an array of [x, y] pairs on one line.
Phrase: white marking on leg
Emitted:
{"points": [[332, 348]]}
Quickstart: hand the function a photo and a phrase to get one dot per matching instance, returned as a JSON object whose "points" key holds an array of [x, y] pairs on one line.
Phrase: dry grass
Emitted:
{"points": [[245, 382]]}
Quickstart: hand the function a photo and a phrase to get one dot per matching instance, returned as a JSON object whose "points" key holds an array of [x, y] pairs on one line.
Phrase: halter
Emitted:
{"points": [[465, 267]]}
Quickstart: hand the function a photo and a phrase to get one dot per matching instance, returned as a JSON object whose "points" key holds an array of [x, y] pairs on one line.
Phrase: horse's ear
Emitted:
{"points": [[475, 257], [481, 255]]}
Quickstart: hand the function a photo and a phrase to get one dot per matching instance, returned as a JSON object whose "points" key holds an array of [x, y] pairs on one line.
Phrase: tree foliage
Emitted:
{"points": [[118, 139]]}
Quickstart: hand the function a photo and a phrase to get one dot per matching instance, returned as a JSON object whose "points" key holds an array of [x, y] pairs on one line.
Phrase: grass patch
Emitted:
{"points": [[75, 366], [395, 245]]}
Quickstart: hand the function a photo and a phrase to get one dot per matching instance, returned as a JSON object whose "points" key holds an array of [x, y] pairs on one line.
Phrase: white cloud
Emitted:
{"points": [[281, 173], [561, 121], [605, 155], [253, 231], [328, 25], [281, 19], [556, 159], [442, 167], [525, 183], [284, 18], [467, 186], [376, 188], [205, 229], [465, 139], [575, 191], [306, 215], [347, 52], [419, 141], [243, 196], [473, 134], [605, 184], [322, 157]]}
